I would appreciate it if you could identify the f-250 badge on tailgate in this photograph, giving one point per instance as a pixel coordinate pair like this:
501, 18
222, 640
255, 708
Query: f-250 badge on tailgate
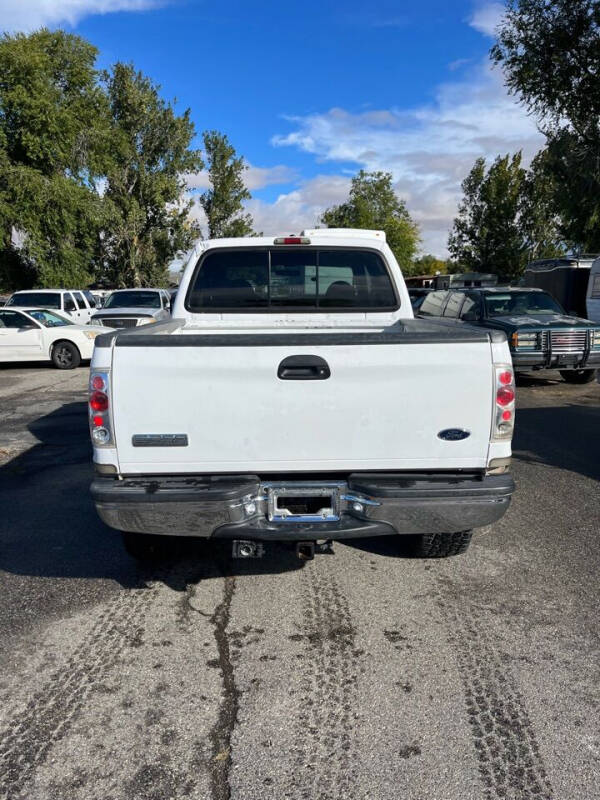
453, 434
159, 440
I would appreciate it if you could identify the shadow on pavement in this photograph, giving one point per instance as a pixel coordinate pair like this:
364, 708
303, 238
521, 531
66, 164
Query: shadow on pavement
541, 378
49, 527
388, 546
6, 366
567, 437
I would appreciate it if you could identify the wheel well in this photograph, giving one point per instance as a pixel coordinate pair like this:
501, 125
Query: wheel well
63, 341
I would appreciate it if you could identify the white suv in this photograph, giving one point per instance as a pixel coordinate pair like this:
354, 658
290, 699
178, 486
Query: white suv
76, 304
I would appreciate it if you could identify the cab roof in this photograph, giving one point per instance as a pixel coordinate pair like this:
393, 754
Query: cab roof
319, 237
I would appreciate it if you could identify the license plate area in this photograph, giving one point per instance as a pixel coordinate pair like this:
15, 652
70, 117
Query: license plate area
570, 358
303, 503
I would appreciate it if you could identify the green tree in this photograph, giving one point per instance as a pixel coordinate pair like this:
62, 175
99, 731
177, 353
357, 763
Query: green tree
549, 52
428, 265
223, 202
147, 213
539, 216
572, 167
53, 125
373, 204
486, 235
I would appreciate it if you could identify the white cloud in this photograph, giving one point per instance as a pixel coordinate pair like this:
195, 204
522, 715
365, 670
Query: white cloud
460, 62
254, 177
486, 18
197, 180
292, 211
428, 149
27, 15
197, 214
259, 177
301, 208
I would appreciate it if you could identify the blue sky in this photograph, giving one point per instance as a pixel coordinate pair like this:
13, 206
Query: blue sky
311, 92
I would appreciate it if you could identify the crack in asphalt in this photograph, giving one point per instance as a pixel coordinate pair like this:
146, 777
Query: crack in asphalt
222, 731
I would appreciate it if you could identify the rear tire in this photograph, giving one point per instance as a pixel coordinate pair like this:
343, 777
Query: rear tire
145, 547
578, 375
440, 545
65, 355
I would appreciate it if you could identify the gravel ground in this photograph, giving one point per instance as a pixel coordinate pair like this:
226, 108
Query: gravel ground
362, 674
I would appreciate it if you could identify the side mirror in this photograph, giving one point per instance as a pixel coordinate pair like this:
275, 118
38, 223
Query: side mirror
27, 326
470, 316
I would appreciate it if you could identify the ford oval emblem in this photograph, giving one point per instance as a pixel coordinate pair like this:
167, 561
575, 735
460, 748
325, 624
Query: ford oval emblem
454, 434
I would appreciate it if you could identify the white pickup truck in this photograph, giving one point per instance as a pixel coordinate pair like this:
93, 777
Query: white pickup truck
293, 396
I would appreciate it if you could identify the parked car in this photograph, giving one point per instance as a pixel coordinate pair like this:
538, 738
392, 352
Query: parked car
128, 308
541, 335
40, 334
417, 295
75, 304
295, 397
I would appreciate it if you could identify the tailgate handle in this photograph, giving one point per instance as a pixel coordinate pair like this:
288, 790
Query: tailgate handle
303, 368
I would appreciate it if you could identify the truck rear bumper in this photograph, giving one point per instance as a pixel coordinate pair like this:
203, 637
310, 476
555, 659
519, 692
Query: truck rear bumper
236, 507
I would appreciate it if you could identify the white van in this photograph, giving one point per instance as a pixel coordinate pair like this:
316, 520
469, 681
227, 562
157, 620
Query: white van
76, 304
592, 300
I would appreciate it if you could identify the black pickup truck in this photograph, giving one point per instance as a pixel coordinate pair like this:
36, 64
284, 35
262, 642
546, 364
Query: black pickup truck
540, 334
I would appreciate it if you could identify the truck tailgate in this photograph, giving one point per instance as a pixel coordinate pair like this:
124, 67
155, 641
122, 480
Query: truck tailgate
382, 407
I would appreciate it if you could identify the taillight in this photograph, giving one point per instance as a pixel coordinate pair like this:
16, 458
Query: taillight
505, 396
99, 409
504, 407
99, 401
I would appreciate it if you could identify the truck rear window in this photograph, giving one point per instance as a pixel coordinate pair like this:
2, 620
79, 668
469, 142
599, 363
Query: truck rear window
303, 279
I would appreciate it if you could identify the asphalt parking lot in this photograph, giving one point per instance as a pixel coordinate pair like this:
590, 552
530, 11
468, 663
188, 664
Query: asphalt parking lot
362, 674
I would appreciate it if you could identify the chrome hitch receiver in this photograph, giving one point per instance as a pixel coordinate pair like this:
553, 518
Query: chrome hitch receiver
304, 502
305, 550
